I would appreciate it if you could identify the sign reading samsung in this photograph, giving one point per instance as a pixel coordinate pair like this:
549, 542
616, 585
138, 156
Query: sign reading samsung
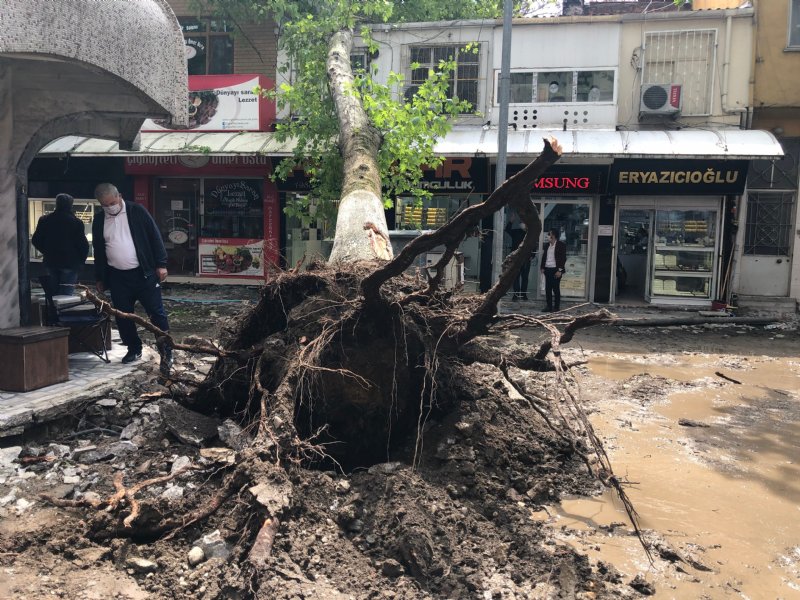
567, 180
678, 177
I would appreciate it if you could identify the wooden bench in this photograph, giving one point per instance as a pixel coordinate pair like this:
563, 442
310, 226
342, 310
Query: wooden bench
33, 357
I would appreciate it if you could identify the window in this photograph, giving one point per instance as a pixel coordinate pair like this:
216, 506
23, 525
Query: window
359, 60
233, 208
794, 24
769, 223
528, 87
686, 58
209, 46
463, 82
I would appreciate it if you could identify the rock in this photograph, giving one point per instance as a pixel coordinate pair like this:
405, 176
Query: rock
642, 586
132, 429
10, 497
391, 568
32, 451
224, 456
94, 456
385, 468
106, 403
356, 526
141, 565
8, 456
188, 426
92, 496
342, 487
172, 493
21, 505
213, 545
232, 435
122, 448
77, 452
196, 556
58, 450
272, 495
692, 423
180, 463
72, 479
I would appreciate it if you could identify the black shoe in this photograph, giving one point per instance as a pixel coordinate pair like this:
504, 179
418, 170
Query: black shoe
132, 356
547, 309
166, 362
514, 297
525, 297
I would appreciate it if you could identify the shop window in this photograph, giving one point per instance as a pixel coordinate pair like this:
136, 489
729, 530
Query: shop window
233, 208
83, 209
463, 82
528, 87
431, 213
572, 222
209, 46
769, 223
683, 255
686, 58
794, 25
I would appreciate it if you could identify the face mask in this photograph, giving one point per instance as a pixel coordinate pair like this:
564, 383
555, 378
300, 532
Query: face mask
113, 210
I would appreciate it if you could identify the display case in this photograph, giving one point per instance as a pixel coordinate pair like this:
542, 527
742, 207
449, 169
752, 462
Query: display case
683, 254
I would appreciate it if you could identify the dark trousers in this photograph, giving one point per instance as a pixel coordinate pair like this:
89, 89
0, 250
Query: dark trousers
126, 288
521, 280
552, 288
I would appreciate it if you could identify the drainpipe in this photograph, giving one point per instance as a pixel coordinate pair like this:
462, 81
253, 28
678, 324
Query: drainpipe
726, 68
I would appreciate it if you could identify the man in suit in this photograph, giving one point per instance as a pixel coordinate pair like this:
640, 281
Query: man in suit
554, 261
131, 261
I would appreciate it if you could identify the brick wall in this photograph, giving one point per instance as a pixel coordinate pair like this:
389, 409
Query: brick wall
255, 46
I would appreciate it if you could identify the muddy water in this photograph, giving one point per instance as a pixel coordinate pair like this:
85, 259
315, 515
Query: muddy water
726, 497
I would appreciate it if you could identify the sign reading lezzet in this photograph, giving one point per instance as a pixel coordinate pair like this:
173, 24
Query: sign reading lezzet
224, 103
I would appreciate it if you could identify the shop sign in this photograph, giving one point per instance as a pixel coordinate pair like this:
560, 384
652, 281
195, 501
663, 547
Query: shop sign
231, 257
198, 164
224, 103
567, 180
457, 175
678, 177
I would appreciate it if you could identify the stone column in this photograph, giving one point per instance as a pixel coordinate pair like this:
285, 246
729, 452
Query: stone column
9, 154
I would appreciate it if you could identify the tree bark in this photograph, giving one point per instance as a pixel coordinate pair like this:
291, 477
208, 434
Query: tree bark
361, 230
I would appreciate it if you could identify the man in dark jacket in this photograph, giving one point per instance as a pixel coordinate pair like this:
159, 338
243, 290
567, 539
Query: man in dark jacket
130, 260
60, 238
554, 261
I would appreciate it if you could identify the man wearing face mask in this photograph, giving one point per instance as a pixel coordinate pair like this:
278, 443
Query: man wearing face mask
130, 260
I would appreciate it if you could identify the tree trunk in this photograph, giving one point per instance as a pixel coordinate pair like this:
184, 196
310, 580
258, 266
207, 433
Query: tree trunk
361, 231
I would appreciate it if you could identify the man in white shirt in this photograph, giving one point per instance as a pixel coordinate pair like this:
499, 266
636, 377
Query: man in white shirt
130, 261
554, 262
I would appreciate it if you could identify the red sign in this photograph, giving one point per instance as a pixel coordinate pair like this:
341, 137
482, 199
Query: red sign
225, 103
198, 164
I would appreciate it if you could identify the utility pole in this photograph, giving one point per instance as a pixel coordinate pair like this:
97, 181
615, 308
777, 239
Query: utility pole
502, 139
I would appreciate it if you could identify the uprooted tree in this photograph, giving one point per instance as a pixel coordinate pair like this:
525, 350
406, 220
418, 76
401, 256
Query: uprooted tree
337, 363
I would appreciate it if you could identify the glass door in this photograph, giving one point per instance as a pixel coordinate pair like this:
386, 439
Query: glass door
632, 273
572, 219
176, 207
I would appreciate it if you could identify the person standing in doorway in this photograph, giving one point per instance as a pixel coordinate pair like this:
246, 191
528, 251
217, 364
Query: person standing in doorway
516, 230
131, 261
554, 261
60, 238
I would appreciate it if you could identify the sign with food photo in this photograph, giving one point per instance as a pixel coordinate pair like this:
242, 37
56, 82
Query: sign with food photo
223, 103
231, 257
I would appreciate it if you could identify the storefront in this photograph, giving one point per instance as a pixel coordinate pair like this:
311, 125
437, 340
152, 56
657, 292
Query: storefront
670, 228
218, 215
567, 198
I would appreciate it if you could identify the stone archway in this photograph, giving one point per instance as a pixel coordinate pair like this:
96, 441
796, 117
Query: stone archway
82, 67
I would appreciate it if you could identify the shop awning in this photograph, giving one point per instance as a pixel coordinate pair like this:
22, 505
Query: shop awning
175, 142
463, 141
718, 143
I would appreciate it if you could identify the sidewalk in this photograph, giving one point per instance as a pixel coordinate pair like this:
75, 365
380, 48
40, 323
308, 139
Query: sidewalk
89, 377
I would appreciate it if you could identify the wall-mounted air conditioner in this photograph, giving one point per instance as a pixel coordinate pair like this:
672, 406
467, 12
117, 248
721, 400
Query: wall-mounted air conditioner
660, 99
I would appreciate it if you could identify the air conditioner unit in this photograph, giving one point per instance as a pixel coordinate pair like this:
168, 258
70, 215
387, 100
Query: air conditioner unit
660, 99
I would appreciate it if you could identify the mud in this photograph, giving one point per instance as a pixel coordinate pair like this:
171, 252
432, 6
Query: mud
719, 496
485, 503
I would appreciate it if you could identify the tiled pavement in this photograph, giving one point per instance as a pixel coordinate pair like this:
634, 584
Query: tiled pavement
88, 377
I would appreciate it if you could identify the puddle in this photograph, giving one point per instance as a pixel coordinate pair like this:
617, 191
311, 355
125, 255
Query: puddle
726, 496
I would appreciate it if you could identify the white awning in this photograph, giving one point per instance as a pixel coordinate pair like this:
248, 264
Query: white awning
712, 143
463, 141
175, 142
